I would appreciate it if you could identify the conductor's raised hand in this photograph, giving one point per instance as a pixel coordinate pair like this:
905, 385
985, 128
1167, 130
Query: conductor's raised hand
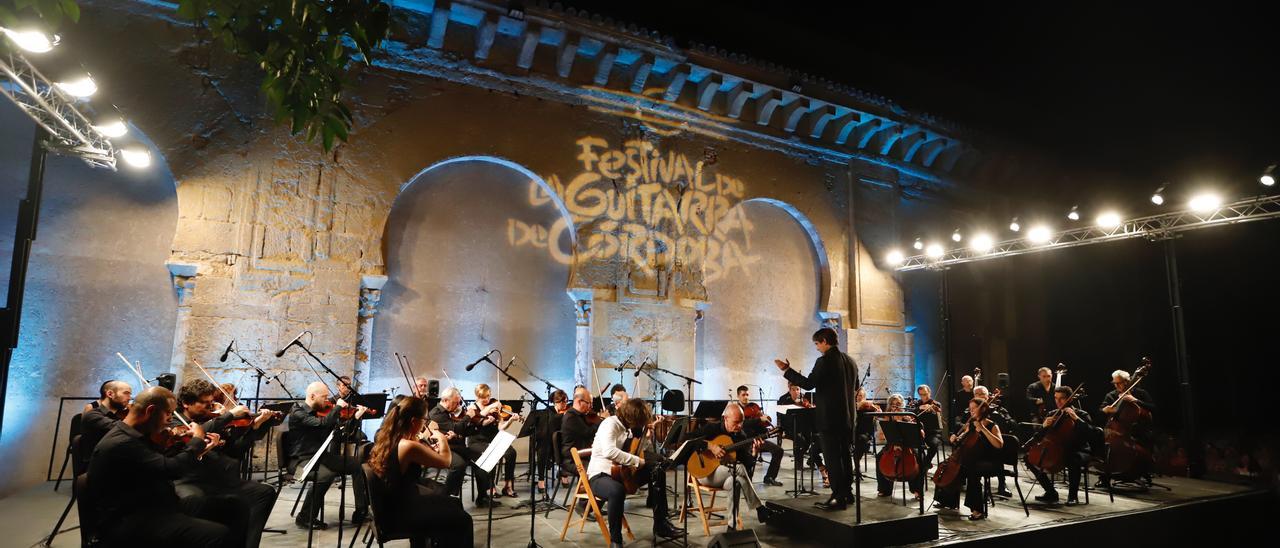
783, 365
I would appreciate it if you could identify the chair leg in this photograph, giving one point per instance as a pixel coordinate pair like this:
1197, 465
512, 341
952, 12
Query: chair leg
1017, 484
62, 470
302, 491
568, 518
702, 508
48, 541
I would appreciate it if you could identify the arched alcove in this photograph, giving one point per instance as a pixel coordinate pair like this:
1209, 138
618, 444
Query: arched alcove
476, 259
765, 304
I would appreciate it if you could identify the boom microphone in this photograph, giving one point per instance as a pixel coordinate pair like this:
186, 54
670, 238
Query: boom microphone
291, 343
484, 358
223, 358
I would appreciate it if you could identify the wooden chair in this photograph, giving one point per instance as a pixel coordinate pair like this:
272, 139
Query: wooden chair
583, 492
705, 510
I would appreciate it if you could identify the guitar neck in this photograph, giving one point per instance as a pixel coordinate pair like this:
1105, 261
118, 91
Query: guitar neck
738, 444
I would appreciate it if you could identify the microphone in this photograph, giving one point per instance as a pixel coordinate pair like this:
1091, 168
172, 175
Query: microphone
641, 368
623, 365
291, 343
227, 351
484, 358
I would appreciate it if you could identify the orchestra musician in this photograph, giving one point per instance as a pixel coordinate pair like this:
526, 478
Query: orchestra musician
397, 459
547, 422
487, 407
420, 385
1076, 455
456, 423
755, 426
614, 433
929, 414
884, 486
809, 445
1111, 402
130, 482
987, 443
111, 407
311, 422
1040, 394
835, 379
1001, 417
731, 424
962, 398
215, 480
866, 428
577, 427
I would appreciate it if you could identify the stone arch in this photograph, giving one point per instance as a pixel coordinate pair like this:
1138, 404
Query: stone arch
815, 241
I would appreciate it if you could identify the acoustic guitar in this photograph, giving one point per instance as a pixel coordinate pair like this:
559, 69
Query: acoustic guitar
703, 463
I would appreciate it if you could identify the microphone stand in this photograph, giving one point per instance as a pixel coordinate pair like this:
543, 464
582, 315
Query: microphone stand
257, 398
533, 485
688, 421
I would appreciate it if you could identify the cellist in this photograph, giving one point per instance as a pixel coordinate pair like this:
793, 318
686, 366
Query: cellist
1113, 403
884, 486
984, 448
1075, 456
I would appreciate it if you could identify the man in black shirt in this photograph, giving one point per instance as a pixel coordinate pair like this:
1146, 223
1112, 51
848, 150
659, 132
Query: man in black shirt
807, 445
130, 482
756, 426
576, 431
216, 480
929, 414
1112, 403
1075, 453
310, 430
835, 379
960, 408
457, 429
723, 477
99, 418
1040, 394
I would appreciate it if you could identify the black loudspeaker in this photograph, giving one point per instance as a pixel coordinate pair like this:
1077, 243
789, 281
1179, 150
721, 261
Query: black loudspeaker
1002, 381
673, 401
433, 389
167, 380
735, 539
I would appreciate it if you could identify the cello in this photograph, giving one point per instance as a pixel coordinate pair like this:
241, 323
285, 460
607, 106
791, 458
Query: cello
1047, 449
1126, 456
897, 462
949, 471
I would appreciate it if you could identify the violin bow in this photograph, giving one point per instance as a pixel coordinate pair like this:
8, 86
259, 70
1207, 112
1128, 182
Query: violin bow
230, 399
138, 372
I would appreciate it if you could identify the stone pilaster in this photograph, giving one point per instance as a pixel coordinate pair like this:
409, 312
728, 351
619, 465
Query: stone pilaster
582, 362
370, 295
184, 282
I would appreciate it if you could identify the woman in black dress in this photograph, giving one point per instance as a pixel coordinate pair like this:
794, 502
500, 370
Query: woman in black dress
399, 454
984, 451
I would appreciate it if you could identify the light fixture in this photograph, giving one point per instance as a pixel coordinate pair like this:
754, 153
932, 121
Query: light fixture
112, 127
1205, 202
1157, 197
80, 87
1038, 234
934, 251
1074, 215
918, 244
895, 257
1268, 177
33, 41
981, 243
956, 237
136, 156
1109, 220
1014, 226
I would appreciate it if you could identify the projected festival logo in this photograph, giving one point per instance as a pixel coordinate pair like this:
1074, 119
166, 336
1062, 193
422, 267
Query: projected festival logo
639, 204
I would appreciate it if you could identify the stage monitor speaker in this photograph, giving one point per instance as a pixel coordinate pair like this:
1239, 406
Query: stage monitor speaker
745, 538
167, 380
433, 388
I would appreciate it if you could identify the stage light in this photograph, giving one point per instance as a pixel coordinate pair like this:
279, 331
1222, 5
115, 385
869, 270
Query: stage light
981, 243
934, 251
895, 257
1205, 203
1038, 234
1157, 197
1014, 226
136, 156
1268, 177
113, 127
918, 244
1109, 220
1074, 215
956, 237
33, 41
80, 87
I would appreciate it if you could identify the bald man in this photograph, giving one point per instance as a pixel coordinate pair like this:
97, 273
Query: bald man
724, 476
112, 406
309, 430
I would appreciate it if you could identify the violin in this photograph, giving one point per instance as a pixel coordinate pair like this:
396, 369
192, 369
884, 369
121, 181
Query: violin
171, 437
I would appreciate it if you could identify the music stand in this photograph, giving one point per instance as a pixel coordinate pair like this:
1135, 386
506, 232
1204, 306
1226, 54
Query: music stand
709, 409
799, 422
376, 401
907, 435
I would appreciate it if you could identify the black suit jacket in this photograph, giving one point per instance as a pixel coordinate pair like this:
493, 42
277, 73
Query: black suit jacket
834, 379
310, 429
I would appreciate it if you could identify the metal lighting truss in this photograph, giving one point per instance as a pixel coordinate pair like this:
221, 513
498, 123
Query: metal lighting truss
69, 131
1154, 227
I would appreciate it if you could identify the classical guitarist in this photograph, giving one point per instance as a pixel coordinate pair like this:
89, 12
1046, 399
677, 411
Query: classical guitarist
728, 432
606, 451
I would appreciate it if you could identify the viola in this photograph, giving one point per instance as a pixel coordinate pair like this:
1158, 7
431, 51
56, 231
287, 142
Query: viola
752, 410
1048, 448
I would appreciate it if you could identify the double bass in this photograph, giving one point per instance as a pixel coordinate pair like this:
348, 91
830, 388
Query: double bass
1126, 456
1048, 448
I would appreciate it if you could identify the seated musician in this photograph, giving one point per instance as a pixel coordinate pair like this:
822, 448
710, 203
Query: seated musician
97, 420
578, 427
420, 386
130, 481
480, 438
987, 443
1003, 419
884, 486
613, 434
731, 424
1112, 403
963, 395
311, 421
1075, 453
398, 457
547, 423
865, 429
1040, 394
756, 426
806, 443
456, 424
215, 481
929, 413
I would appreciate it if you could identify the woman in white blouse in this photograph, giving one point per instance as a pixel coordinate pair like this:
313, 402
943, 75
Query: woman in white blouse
606, 451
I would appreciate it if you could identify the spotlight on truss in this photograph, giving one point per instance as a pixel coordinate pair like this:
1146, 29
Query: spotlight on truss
1205, 202
895, 258
981, 243
32, 41
1157, 197
1268, 177
934, 251
1039, 234
918, 245
1014, 226
1074, 215
1109, 220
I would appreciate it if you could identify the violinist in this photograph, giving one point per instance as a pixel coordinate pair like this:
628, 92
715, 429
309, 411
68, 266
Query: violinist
987, 442
112, 406
884, 486
578, 427
808, 443
130, 481
732, 424
420, 385
929, 414
1040, 394
397, 460
456, 423
488, 408
215, 481
546, 423
754, 427
1075, 453
311, 422
866, 428
614, 432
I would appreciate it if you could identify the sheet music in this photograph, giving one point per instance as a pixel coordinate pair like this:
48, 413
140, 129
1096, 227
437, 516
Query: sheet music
306, 471
498, 447
786, 408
